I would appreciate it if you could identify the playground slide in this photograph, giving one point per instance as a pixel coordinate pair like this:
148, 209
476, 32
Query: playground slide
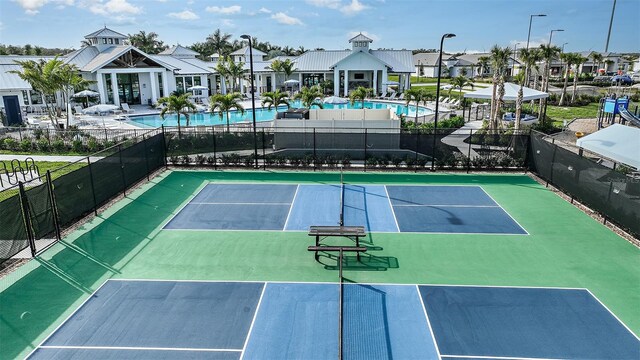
632, 119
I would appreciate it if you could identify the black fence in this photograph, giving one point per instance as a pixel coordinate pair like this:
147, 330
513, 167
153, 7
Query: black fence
34, 213
365, 148
613, 191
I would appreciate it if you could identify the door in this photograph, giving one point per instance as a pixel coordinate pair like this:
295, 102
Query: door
12, 109
129, 88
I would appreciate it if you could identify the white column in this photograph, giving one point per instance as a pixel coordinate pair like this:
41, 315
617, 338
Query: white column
407, 81
273, 82
114, 87
154, 88
336, 82
385, 78
375, 82
101, 89
165, 84
346, 83
300, 81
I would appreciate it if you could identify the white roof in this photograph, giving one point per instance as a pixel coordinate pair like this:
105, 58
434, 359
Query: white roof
112, 53
105, 32
245, 51
184, 66
617, 142
360, 37
179, 50
82, 56
324, 60
11, 81
510, 93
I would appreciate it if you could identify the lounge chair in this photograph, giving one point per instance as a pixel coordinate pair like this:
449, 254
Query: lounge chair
384, 95
441, 98
401, 97
78, 110
126, 108
393, 96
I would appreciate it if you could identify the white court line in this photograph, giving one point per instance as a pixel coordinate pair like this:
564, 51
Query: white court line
393, 212
138, 348
291, 207
505, 211
495, 357
424, 309
614, 315
237, 203
456, 206
187, 202
255, 315
67, 319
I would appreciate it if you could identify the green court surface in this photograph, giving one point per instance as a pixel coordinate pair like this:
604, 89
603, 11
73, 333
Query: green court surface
565, 248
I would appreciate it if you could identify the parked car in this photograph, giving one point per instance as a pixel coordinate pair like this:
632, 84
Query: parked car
635, 77
602, 79
622, 80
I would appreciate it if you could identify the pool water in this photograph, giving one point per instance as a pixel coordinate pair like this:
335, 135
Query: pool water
262, 114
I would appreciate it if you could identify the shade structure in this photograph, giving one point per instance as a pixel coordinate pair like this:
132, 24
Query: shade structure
99, 109
617, 142
335, 100
85, 93
510, 93
291, 82
197, 87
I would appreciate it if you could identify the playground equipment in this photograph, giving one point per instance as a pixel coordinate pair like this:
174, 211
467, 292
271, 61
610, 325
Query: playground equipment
16, 172
611, 108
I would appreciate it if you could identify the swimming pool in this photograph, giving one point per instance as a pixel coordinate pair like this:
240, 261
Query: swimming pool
208, 119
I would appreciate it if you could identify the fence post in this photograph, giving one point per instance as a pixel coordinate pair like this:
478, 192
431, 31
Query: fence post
264, 156
469, 151
93, 188
315, 158
54, 208
553, 160
164, 149
415, 165
24, 204
215, 157
365, 149
433, 151
146, 157
124, 180
20, 134
48, 136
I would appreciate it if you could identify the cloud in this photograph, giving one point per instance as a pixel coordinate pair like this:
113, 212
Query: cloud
533, 43
113, 7
184, 15
234, 9
285, 19
353, 8
264, 10
371, 36
31, 7
331, 4
228, 23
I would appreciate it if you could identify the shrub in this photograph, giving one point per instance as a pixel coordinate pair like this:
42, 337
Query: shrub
174, 160
10, 144
396, 161
249, 161
77, 146
295, 161
26, 145
421, 162
346, 161
371, 162
211, 160
93, 145
200, 159
226, 159
58, 145
43, 145
281, 160
186, 160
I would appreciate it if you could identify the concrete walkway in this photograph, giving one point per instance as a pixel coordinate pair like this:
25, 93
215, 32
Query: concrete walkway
56, 158
457, 138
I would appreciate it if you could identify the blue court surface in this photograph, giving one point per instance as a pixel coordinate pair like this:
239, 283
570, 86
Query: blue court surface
379, 208
139, 319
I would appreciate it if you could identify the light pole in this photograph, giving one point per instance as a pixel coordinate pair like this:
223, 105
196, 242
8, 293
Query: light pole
613, 11
435, 119
253, 99
530, 21
551, 34
562, 62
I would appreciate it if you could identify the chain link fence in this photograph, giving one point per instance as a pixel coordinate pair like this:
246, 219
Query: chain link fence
35, 212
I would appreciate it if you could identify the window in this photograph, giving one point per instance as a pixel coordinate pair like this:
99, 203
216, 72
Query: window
179, 83
358, 76
160, 85
36, 98
188, 82
104, 40
117, 41
25, 97
111, 41
356, 44
197, 81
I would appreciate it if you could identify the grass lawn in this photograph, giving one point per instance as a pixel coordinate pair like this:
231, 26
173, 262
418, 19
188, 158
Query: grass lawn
43, 166
422, 80
560, 113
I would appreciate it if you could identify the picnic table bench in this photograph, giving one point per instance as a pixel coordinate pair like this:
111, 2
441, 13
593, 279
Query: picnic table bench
323, 232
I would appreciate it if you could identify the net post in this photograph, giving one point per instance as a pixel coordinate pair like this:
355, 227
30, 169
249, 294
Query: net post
164, 149
93, 187
54, 208
415, 165
315, 158
124, 181
469, 151
553, 160
146, 156
264, 156
340, 319
365, 149
24, 205
215, 156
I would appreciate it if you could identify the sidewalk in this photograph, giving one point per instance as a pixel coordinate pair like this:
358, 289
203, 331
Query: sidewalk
56, 158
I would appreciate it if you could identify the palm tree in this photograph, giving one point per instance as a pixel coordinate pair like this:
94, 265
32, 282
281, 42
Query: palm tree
179, 105
578, 61
597, 59
549, 52
483, 64
276, 67
309, 96
361, 93
43, 77
69, 80
460, 82
237, 73
219, 42
569, 59
226, 103
416, 95
148, 43
285, 67
223, 70
530, 58
275, 98
499, 61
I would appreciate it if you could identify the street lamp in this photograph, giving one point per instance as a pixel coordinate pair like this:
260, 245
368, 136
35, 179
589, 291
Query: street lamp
253, 99
551, 34
531, 20
435, 119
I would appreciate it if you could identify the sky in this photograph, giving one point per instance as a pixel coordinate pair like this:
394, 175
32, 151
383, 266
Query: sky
397, 24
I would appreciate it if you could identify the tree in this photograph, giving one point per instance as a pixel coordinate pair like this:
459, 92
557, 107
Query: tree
549, 52
179, 105
569, 59
309, 96
225, 103
597, 59
275, 98
416, 95
223, 70
148, 43
529, 57
202, 48
69, 80
286, 67
483, 64
44, 78
499, 62
326, 84
459, 82
361, 93
219, 42
578, 61
237, 73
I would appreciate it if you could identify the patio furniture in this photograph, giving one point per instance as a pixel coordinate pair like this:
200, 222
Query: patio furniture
126, 108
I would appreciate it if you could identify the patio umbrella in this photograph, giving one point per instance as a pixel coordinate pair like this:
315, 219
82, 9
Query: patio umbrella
335, 100
291, 82
86, 93
99, 109
390, 83
197, 87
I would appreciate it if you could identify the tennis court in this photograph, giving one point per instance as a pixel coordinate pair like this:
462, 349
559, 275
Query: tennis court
379, 208
216, 265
